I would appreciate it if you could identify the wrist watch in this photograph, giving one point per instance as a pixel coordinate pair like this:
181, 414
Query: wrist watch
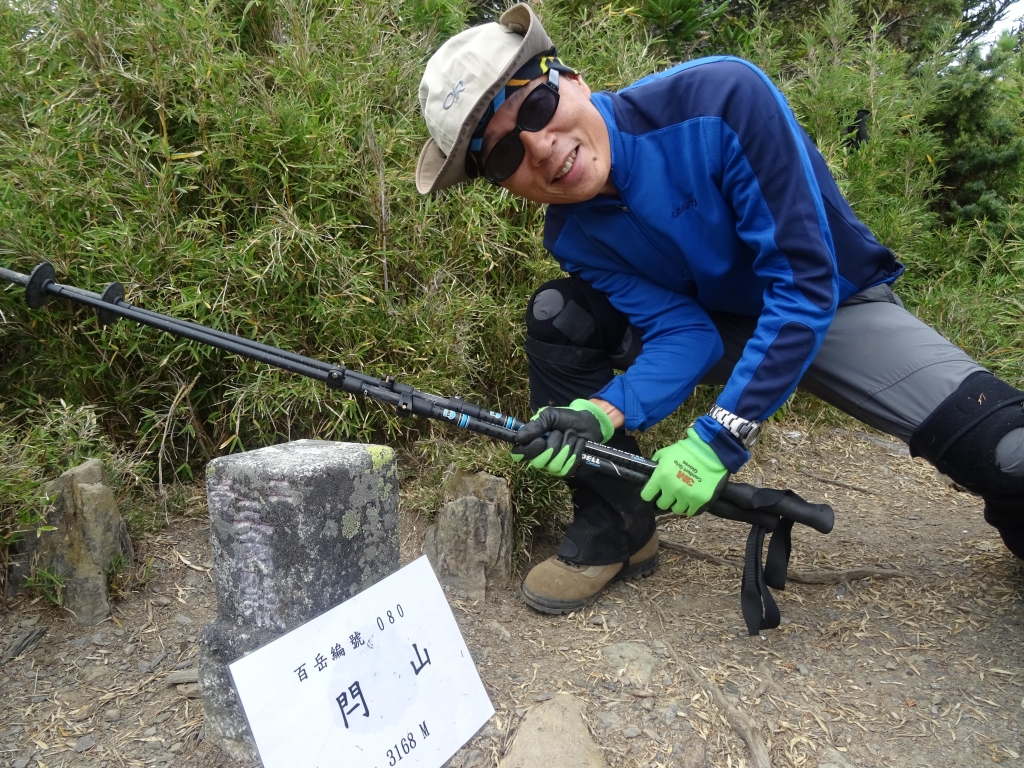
743, 430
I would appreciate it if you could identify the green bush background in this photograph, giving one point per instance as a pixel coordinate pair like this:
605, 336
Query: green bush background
248, 165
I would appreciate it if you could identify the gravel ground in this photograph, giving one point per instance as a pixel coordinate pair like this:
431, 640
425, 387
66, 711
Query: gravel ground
917, 670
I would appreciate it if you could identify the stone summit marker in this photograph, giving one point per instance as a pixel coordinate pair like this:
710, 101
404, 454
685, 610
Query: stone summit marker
295, 530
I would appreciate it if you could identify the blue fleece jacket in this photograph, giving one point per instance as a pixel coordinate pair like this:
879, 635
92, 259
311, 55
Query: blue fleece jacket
724, 205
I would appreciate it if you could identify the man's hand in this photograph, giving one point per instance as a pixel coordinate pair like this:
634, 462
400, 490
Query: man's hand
689, 477
567, 430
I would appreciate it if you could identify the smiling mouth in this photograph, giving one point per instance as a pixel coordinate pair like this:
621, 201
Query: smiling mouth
568, 164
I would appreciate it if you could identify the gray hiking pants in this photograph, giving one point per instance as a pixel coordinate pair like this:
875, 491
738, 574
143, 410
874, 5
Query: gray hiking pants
878, 363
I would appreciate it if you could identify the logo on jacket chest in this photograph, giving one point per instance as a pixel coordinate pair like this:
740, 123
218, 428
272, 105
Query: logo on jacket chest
687, 205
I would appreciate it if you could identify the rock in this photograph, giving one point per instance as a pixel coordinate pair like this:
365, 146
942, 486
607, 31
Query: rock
631, 732
88, 534
190, 690
632, 660
83, 713
22, 643
183, 676
610, 720
503, 633
690, 753
21, 762
85, 743
181, 618
143, 667
295, 530
112, 715
554, 735
29, 622
470, 544
94, 673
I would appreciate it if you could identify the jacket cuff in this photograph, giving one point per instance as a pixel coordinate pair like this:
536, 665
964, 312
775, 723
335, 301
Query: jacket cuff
621, 395
725, 445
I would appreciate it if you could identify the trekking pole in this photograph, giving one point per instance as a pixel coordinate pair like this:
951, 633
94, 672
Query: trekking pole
765, 509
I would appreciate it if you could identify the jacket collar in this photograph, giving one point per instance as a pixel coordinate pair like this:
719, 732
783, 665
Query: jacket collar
622, 150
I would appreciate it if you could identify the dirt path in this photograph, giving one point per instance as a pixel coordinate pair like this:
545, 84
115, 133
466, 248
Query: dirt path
915, 671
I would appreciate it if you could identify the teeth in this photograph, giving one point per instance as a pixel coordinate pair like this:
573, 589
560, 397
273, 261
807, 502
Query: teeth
567, 166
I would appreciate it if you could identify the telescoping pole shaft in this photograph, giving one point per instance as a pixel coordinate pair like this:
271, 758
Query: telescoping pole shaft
41, 285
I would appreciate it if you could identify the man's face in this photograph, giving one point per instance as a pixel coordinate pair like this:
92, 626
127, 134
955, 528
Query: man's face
569, 160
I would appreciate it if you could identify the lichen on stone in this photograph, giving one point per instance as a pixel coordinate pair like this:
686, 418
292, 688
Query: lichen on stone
350, 524
380, 455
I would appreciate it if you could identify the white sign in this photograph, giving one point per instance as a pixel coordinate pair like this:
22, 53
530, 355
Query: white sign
382, 679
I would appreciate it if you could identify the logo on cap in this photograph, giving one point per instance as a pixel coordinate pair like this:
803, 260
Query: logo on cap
453, 95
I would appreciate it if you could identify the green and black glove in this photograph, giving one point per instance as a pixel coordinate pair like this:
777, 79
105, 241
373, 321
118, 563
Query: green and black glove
567, 431
689, 476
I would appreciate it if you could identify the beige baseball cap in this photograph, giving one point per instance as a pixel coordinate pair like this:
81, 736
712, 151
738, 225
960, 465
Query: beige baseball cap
460, 82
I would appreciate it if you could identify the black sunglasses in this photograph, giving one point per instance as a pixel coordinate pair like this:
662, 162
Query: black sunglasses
535, 112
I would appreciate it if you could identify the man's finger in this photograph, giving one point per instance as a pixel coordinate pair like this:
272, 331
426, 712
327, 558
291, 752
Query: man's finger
531, 431
533, 449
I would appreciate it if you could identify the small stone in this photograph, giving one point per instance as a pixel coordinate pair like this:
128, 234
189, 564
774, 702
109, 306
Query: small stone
31, 621
503, 633
96, 672
99, 639
143, 667
182, 676
610, 720
112, 715
190, 690
162, 717
85, 743
162, 600
83, 713
149, 732
554, 734
668, 714
631, 732
633, 659
543, 696
177, 747
647, 704
890, 666
181, 618
666, 681
183, 664
802, 669
21, 762
129, 649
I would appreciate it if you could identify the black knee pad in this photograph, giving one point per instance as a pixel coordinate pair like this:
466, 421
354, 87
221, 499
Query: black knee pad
571, 313
961, 436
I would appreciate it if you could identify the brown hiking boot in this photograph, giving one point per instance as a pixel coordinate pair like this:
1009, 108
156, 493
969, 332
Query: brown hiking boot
557, 586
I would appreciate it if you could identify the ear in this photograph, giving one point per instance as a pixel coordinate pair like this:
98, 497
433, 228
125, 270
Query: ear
577, 79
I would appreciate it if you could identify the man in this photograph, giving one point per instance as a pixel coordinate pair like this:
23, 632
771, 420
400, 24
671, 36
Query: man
705, 241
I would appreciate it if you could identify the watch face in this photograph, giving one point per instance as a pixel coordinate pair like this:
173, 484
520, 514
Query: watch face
751, 434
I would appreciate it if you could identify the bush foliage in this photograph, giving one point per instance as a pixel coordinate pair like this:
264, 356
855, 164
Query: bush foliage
248, 165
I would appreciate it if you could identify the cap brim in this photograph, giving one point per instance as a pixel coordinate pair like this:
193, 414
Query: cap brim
434, 170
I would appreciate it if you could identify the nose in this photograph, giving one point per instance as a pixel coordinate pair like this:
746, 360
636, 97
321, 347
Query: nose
538, 145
